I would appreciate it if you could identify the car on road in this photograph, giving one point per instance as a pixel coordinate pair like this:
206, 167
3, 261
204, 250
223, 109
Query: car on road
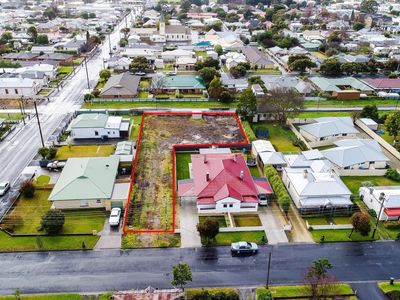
4, 187
244, 247
115, 216
140, 73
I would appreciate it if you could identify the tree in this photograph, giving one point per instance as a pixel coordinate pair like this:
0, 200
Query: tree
282, 103
361, 223
225, 96
43, 152
139, 63
301, 65
350, 68
331, 67
42, 39
208, 229
370, 111
88, 97
157, 84
125, 31
392, 125
369, 6
217, 26
27, 189
32, 32
6, 36
53, 221
123, 42
181, 274
247, 106
215, 87
105, 74
317, 277
218, 49
209, 62
208, 74
185, 5
50, 12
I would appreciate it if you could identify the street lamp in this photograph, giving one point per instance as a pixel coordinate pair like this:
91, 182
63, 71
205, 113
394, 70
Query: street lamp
382, 199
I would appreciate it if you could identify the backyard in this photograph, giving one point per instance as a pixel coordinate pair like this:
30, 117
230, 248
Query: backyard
280, 137
182, 165
152, 191
69, 151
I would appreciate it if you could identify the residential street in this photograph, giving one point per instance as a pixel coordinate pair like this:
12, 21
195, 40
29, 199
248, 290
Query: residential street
110, 270
20, 147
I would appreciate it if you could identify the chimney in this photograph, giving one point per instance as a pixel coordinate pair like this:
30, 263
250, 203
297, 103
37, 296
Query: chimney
331, 173
305, 173
241, 175
208, 176
234, 157
205, 158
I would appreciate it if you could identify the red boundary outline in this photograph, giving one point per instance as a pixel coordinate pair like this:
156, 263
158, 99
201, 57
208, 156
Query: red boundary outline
174, 146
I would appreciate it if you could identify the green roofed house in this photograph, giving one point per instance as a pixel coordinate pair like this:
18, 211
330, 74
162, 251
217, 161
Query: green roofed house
89, 183
186, 84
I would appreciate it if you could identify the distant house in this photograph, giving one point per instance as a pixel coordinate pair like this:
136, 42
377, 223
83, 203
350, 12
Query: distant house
173, 55
89, 182
257, 58
185, 63
390, 195
329, 128
287, 82
121, 86
186, 84
60, 57
232, 59
18, 87
234, 84
118, 63
346, 88
257, 90
357, 154
96, 126
223, 183
24, 56
384, 84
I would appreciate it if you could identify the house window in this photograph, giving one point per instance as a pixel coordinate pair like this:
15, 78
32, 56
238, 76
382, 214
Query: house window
7, 91
108, 132
98, 201
225, 205
16, 92
230, 205
344, 134
96, 133
84, 203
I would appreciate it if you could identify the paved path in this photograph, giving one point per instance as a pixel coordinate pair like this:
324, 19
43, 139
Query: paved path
188, 222
273, 228
110, 270
368, 291
110, 238
299, 233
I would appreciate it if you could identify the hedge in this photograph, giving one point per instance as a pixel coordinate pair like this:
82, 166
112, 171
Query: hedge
281, 193
249, 132
393, 174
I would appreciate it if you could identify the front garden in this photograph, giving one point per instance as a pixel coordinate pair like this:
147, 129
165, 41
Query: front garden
69, 151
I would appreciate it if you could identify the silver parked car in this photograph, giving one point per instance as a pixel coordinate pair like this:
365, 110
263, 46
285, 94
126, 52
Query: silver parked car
244, 247
4, 187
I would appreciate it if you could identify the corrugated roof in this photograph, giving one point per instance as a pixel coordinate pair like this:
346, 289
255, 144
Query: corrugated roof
89, 121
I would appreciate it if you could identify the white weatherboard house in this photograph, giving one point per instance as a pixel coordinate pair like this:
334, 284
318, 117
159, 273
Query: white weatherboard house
357, 154
316, 187
96, 126
329, 128
390, 195
89, 183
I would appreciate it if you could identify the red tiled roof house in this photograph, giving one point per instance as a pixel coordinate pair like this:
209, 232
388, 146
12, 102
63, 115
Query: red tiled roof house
222, 183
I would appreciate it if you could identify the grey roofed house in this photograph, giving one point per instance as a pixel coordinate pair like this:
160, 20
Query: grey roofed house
288, 82
272, 158
121, 85
21, 56
26, 74
338, 84
256, 57
232, 83
177, 29
356, 58
55, 56
330, 126
354, 152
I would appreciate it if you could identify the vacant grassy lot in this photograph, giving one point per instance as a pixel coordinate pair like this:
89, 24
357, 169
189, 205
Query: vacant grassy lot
247, 220
226, 238
182, 165
143, 240
280, 137
76, 221
66, 152
221, 220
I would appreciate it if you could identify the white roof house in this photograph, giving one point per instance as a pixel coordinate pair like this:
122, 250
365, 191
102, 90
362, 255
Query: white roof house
356, 154
390, 195
260, 146
371, 124
272, 158
328, 128
233, 59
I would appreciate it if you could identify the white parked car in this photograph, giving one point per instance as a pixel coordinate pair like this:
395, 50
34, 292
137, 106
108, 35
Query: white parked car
115, 216
56, 165
244, 247
4, 187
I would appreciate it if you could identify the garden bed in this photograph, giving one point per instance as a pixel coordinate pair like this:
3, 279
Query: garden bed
220, 219
246, 220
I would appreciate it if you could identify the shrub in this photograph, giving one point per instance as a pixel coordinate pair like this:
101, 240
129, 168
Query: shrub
53, 221
52, 153
96, 93
263, 294
393, 295
162, 97
249, 131
269, 171
393, 174
27, 189
372, 212
43, 152
208, 230
392, 224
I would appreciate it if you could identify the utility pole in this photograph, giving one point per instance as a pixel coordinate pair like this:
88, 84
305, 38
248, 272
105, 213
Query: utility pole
269, 267
382, 198
40, 128
87, 74
22, 112
109, 42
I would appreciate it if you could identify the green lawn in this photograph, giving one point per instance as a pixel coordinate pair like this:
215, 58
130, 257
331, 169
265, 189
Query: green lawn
201, 53
143, 95
386, 287
76, 221
247, 220
136, 126
301, 290
386, 136
172, 104
221, 220
45, 243
44, 92
42, 180
190, 293
340, 235
66, 152
226, 238
317, 114
65, 70
10, 116
100, 83
354, 182
144, 240
254, 171
280, 137
327, 220
350, 103
182, 165
59, 297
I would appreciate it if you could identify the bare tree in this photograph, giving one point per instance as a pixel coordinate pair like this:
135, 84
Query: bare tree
157, 84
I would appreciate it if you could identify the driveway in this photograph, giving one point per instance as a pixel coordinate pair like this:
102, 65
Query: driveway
299, 233
367, 291
188, 221
272, 225
110, 237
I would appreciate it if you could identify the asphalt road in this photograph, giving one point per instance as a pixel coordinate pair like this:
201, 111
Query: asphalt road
110, 270
21, 146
